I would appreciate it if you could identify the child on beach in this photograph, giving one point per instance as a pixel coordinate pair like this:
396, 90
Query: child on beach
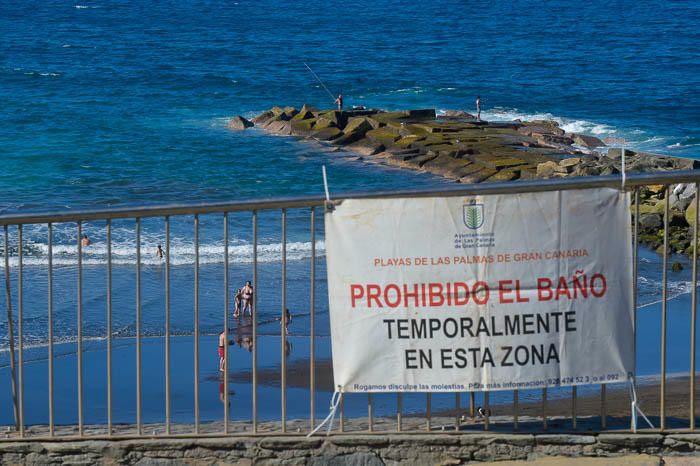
237, 303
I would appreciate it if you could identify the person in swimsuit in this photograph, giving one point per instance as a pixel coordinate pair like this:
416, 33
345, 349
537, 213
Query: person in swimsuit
85, 241
339, 101
222, 352
159, 252
237, 303
247, 298
287, 320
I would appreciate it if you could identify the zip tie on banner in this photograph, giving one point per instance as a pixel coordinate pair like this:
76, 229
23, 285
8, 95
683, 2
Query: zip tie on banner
622, 156
335, 402
329, 204
635, 407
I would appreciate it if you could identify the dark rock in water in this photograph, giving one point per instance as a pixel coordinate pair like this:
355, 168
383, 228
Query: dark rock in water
305, 113
336, 118
327, 134
386, 135
587, 141
263, 117
354, 130
650, 221
458, 114
367, 147
616, 153
280, 127
422, 113
677, 267
302, 127
239, 122
677, 220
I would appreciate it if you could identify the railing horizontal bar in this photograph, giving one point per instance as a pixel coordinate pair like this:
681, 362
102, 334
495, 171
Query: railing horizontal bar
583, 182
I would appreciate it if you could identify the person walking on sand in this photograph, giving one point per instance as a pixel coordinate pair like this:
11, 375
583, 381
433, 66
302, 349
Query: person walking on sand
339, 101
85, 241
159, 252
237, 303
478, 107
247, 298
222, 351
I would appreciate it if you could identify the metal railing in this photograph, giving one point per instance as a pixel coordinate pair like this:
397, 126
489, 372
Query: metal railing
312, 205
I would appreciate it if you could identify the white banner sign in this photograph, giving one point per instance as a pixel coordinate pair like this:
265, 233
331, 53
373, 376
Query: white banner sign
495, 292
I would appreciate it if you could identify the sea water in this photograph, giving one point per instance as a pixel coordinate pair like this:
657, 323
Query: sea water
116, 103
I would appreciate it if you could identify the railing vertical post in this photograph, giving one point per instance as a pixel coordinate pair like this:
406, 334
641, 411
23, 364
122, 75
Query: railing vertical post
226, 305
109, 327
603, 407
196, 324
167, 325
139, 424
664, 279
398, 411
694, 303
10, 326
573, 407
635, 259
516, 408
20, 326
472, 402
342, 414
255, 321
50, 325
283, 384
487, 411
544, 408
457, 410
79, 354
370, 427
312, 325
428, 409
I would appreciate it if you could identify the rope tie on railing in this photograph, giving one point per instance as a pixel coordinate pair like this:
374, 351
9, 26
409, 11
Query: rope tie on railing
335, 402
635, 406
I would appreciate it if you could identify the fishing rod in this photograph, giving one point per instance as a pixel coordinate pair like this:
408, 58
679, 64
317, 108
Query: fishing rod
319, 80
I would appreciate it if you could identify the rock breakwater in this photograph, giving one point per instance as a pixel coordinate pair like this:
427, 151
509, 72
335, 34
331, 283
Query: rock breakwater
460, 147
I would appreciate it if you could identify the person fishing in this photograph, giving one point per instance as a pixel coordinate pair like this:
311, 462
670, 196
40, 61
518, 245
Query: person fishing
339, 101
336, 100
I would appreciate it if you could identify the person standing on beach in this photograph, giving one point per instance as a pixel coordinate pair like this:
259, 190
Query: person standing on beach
159, 252
339, 101
478, 107
287, 320
247, 298
237, 303
222, 351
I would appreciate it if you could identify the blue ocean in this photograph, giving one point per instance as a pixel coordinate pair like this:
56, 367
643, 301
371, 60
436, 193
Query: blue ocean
114, 103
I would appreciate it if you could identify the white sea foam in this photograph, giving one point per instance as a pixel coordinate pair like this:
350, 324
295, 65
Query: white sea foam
650, 290
181, 253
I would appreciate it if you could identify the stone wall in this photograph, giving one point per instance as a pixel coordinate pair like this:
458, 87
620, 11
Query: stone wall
366, 450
